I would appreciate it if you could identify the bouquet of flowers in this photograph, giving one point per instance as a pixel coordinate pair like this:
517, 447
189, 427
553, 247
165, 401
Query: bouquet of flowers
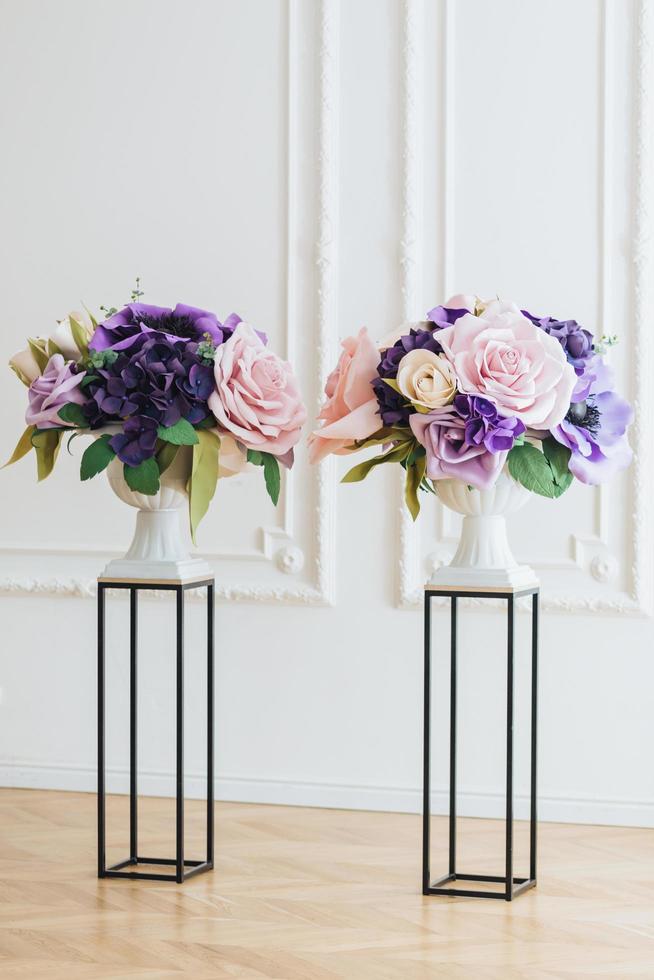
149, 380
476, 388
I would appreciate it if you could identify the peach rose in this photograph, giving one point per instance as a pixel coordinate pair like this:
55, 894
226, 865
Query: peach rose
257, 398
504, 357
351, 410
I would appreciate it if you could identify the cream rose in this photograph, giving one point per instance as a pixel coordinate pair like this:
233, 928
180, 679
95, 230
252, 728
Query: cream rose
504, 357
23, 364
426, 378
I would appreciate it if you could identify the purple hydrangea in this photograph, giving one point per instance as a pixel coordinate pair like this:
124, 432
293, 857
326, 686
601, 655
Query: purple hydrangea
575, 341
485, 426
442, 316
122, 329
138, 440
392, 405
157, 377
595, 427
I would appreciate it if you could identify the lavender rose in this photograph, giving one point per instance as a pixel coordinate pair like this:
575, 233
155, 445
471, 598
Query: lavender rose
56, 387
449, 454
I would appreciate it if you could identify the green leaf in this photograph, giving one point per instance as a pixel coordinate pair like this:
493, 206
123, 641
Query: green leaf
392, 383
385, 435
165, 455
208, 422
143, 478
38, 350
46, 443
414, 476
530, 467
255, 457
72, 413
181, 433
91, 317
89, 379
558, 457
23, 446
271, 476
204, 477
51, 348
395, 455
80, 336
96, 458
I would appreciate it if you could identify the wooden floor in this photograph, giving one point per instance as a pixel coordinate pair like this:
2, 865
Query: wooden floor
300, 894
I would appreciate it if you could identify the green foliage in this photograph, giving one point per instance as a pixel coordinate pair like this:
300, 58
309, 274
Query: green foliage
96, 457
537, 472
558, 457
204, 476
415, 472
46, 445
271, 471
165, 455
181, 433
23, 446
39, 353
102, 358
396, 454
73, 414
80, 336
143, 478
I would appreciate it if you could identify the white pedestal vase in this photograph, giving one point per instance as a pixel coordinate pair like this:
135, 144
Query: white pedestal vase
483, 558
159, 549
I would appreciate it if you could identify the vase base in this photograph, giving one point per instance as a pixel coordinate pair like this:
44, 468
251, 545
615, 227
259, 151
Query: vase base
166, 571
483, 579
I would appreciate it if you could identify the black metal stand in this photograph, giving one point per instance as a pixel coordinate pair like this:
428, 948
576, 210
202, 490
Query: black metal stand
184, 869
512, 886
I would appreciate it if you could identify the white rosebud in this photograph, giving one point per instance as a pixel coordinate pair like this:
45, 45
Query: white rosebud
62, 335
426, 378
23, 363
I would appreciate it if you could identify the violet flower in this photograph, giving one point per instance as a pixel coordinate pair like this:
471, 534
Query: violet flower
138, 440
121, 330
485, 426
574, 339
595, 427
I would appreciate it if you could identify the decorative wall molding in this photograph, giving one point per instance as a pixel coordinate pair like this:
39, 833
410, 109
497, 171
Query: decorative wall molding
590, 553
332, 795
280, 551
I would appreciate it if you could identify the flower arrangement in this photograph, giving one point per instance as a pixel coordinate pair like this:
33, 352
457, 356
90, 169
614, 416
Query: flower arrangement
477, 388
148, 380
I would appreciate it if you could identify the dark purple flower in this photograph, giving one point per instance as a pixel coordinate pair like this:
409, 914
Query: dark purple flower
485, 426
121, 330
575, 341
157, 376
138, 440
442, 316
392, 406
595, 427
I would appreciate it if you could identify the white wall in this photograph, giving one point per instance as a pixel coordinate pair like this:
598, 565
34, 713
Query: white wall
318, 166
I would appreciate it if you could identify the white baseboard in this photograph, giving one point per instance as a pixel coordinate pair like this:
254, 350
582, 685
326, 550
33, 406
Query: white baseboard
288, 792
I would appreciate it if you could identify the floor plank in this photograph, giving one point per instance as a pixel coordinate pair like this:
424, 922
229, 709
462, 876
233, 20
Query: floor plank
307, 894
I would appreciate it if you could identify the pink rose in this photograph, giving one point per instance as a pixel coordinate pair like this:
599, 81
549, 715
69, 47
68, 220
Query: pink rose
351, 409
56, 387
503, 356
257, 398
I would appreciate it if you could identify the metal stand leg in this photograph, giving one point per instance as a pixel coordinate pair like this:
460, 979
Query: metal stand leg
426, 748
101, 784
509, 750
512, 886
453, 651
210, 735
133, 725
179, 830
534, 735
183, 868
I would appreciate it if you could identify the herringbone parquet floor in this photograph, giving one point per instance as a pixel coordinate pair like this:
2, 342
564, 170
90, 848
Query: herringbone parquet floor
301, 894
